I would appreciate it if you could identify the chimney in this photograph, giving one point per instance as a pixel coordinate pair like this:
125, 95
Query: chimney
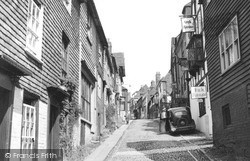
109, 46
157, 77
152, 84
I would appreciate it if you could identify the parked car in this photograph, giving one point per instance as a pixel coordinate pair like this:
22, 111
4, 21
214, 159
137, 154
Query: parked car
180, 119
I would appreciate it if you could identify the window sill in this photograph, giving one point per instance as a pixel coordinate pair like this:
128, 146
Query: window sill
229, 68
200, 116
86, 121
29, 53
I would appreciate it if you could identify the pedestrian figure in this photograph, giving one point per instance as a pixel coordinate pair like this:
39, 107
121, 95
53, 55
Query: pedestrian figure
163, 117
127, 118
167, 126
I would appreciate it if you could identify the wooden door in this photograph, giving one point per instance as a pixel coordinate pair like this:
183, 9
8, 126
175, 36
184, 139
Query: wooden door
54, 130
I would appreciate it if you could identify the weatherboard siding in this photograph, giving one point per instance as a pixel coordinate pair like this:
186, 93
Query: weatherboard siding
229, 87
87, 53
222, 83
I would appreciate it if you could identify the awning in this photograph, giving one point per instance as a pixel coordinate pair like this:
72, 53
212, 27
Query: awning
12, 67
57, 92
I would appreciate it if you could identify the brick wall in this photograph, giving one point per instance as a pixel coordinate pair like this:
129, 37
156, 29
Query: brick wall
235, 135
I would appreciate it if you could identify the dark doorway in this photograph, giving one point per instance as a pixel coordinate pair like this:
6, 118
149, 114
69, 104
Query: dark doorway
5, 116
82, 142
54, 130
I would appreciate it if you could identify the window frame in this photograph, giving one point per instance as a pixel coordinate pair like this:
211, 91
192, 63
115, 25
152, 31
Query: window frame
34, 29
85, 98
24, 135
227, 49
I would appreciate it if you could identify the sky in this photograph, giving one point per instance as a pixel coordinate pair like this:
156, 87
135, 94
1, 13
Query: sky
142, 30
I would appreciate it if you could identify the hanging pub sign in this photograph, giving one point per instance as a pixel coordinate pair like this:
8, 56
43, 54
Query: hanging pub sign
198, 92
188, 24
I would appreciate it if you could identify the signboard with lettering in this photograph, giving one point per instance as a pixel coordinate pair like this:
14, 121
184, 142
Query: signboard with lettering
188, 24
198, 92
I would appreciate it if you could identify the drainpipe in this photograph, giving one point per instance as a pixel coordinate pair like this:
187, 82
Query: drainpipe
188, 80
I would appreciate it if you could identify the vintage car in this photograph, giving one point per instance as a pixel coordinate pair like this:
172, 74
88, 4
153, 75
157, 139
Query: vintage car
180, 119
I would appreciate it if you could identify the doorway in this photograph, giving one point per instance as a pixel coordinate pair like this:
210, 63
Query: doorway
5, 116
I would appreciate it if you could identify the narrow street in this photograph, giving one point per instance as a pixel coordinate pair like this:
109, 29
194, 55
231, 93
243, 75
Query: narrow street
143, 142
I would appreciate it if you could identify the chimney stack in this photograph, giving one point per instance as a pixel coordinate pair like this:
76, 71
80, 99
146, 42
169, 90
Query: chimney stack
157, 77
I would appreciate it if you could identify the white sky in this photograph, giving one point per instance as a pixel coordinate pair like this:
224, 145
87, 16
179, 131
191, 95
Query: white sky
142, 29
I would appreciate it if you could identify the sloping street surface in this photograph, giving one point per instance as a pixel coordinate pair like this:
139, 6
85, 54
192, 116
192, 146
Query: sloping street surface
143, 142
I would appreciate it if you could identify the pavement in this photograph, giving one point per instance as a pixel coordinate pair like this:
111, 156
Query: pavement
100, 153
141, 140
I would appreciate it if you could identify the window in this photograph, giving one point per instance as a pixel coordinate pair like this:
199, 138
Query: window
67, 4
64, 54
202, 107
229, 45
226, 115
28, 135
89, 28
34, 29
85, 98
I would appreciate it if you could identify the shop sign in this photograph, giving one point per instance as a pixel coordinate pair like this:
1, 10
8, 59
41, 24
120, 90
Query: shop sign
198, 92
188, 24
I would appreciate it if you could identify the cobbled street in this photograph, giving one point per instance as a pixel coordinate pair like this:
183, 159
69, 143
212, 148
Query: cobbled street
143, 142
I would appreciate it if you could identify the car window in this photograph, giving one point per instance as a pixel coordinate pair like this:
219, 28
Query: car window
180, 113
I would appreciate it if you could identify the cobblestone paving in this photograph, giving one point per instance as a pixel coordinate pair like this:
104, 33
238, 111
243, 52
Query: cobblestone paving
143, 142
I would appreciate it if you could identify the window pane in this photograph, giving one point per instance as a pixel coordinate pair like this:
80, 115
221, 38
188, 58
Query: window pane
37, 25
34, 42
30, 6
223, 61
32, 115
34, 9
37, 13
228, 36
222, 43
230, 54
236, 50
235, 28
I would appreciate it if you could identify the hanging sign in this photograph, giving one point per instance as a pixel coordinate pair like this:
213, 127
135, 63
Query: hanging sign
187, 24
198, 92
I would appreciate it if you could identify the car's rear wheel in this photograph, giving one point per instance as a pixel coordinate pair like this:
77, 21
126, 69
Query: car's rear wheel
182, 122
